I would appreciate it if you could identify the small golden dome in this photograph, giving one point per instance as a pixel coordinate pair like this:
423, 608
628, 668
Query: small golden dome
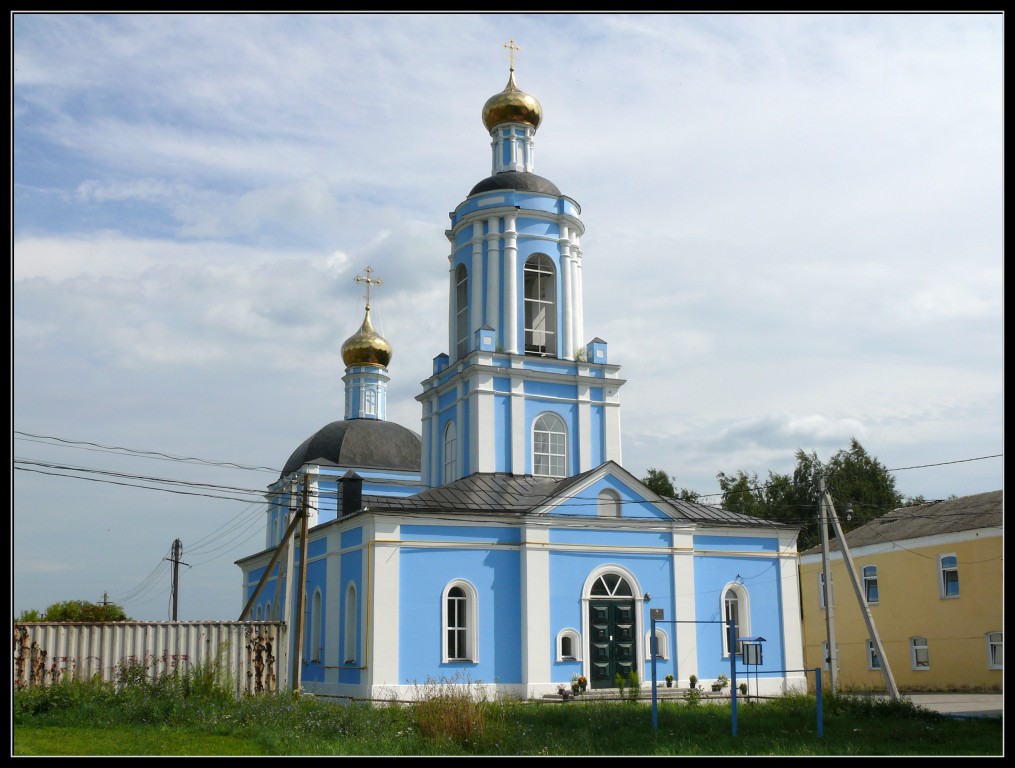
512, 106
366, 347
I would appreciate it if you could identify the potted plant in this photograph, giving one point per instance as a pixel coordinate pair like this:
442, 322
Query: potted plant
582, 683
693, 680
563, 691
743, 689
575, 685
720, 683
669, 681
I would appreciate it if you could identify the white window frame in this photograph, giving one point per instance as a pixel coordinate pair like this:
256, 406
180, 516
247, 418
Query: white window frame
461, 311
450, 452
873, 660
995, 650
942, 578
870, 582
551, 425
351, 632
471, 614
539, 313
316, 614
662, 642
742, 620
609, 503
919, 653
576, 647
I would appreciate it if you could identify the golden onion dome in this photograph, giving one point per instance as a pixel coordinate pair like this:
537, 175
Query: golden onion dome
512, 106
366, 346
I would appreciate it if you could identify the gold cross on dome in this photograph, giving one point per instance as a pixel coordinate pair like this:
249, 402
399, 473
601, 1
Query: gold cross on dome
510, 45
369, 281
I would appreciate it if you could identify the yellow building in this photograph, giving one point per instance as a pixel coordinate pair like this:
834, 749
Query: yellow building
933, 578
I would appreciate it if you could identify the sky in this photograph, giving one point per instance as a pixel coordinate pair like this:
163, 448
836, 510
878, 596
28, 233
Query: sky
793, 238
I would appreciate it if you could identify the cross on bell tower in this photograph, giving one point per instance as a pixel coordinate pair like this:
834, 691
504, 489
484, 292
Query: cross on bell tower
369, 281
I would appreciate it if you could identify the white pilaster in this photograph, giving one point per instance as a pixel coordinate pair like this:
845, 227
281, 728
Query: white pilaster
493, 274
684, 611
476, 283
510, 331
380, 592
536, 641
566, 291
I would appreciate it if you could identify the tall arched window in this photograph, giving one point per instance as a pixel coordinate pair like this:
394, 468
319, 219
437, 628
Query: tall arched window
351, 630
540, 306
315, 627
450, 452
735, 609
609, 503
459, 615
461, 312
370, 402
549, 446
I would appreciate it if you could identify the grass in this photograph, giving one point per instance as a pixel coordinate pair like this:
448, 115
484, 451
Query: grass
194, 715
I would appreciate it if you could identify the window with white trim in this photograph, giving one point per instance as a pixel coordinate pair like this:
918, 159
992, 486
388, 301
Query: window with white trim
549, 446
609, 503
540, 306
316, 615
662, 645
873, 660
821, 590
351, 630
735, 609
370, 402
459, 614
948, 570
461, 312
568, 645
919, 652
870, 584
995, 650
450, 452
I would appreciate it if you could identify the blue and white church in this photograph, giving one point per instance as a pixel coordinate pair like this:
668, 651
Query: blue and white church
505, 545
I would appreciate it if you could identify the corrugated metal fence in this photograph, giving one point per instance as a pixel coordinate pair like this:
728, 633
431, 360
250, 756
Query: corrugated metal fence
246, 653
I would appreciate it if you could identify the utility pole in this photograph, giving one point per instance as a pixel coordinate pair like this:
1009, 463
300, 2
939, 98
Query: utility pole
872, 632
175, 559
832, 657
297, 673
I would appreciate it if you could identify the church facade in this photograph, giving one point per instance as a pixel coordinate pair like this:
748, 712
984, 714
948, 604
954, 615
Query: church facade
505, 545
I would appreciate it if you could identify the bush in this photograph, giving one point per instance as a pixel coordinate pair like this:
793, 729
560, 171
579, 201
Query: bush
450, 710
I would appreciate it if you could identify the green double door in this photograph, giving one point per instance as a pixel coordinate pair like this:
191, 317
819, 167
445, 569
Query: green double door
612, 643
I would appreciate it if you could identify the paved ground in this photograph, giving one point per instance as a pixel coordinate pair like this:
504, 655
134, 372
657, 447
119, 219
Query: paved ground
960, 704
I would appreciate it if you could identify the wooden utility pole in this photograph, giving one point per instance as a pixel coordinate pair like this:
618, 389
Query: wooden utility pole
861, 599
826, 577
297, 621
175, 559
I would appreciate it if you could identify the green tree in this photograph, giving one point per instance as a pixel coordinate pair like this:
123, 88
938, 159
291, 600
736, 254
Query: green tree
860, 486
662, 483
77, 610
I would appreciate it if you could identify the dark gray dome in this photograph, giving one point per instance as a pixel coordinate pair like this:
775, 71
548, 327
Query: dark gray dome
523, 182
365, 443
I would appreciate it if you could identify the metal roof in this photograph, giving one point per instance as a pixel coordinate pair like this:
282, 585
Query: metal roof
967, 513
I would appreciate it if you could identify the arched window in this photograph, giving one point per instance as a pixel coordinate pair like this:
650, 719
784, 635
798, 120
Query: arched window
459, 614
609, 503
540, 306
370, 402
315, 627
870, 584
611, 585
259, 613
662, 645
568, 645
351, 632
735, 609
549, 446
461, 312
450, 452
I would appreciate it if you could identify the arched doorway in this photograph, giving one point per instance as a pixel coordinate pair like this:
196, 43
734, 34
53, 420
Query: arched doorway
613, 631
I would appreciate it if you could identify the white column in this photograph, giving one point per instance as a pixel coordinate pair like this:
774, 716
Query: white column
492, 276
476, 283
566, 283
576, 256
518, 432
536, 641
452, 341
464, 439
510, 331
584, 428
684, 589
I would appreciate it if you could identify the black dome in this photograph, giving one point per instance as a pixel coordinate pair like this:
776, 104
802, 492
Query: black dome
366, 443
524, 182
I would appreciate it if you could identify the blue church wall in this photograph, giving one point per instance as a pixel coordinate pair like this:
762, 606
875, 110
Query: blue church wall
544, 227
447, 399
609, 538
317, 580
768, 544
352, 537
351, 570
759, 578
632, 504
549, 366
551, 389
460, 533
501, 383
496, 577
597, 429
502, 428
